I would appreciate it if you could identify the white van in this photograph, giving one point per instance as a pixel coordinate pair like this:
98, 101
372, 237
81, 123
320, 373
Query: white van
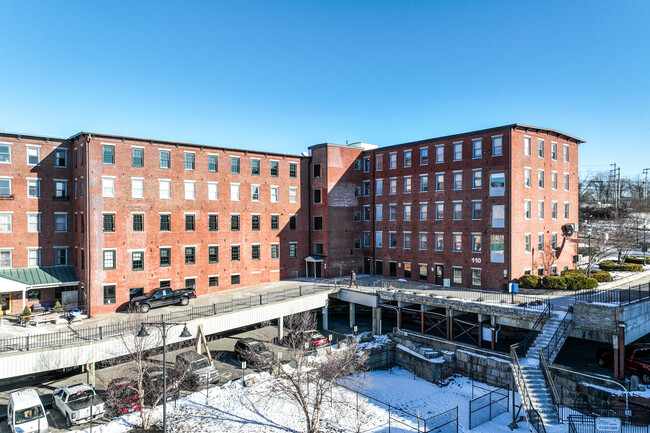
25, 412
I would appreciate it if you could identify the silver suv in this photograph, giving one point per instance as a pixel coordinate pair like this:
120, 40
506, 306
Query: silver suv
200, 371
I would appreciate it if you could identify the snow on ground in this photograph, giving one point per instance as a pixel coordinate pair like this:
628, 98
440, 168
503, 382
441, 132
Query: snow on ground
254, 409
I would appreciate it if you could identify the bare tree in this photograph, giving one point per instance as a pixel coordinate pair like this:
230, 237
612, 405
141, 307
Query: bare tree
596, 249
548, 257
623, 239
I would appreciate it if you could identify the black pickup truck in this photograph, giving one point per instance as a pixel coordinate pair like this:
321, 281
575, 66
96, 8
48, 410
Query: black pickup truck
160, 298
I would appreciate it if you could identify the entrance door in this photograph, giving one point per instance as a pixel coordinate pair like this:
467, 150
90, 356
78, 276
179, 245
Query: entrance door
392, 269
366, 265
5, 302
318, 266
439, 274
379, 267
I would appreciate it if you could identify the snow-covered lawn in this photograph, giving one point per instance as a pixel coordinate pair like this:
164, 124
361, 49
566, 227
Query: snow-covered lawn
234, 408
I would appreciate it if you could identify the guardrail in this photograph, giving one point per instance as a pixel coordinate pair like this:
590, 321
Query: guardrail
560, 333
131, 323
550, 383
488, 406
618, 296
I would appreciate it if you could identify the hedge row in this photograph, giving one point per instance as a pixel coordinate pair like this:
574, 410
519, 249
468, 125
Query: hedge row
576, 281
637, 260
611, 266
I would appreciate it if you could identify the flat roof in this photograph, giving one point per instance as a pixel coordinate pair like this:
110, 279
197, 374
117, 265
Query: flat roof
35, 136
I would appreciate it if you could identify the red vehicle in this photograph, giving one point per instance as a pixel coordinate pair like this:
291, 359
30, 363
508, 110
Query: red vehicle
121, 397
313, 338
637, 360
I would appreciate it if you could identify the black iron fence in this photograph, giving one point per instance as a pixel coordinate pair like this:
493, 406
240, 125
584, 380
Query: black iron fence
632, 414
446, 422
588, 423
488, 406
617, 296
131, 323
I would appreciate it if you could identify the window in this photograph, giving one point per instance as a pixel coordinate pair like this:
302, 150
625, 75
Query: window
60, 222
164, 160
165, 222
213, 281
213, 163
407, 212
213, 222
407, 184
540, 209
293, 250
108, 186
379, 162
366, 188
366, 239
540, 242
497, 184
527, 244
393, 185
33, 155
275, 168
527, 146
379, 214
424, 156
554, 241
407, 158
275, 222
60, 188
476, 277
108, 154
33, 222
527, 177
255, 166
392, 212
423, 241
554, 180
379, 187
108, 222
255, 222
424, 183
34, 258
5, 153
33, 188
255, 193
190, 283
440, 241
234, 222
392, 160
424, 211
318, 223
255, 251
566, 181
293, 170
137, 260
497, 248
476, 242
190, 255
137, 187
477, 178
275, 251
189, 222
82, 187
440, 181
457, 241
392, 240
5, 258
477, 148
213, 191
477, 210
540, 179
440, 207
189, 160
318, 248
109, 259
138, 222
189, 190
292, 222
440, 154
407, 240
498, 216
553, 151
458, 180
5, 187
366, 164
566, 210
366, 213
407, 270
458, 151
497, 145
235, 167
164, 189
357, 191
60, 157
109, 294
234, 192
457, 275
235, 279
357, 216
316, 168
379, 239
137, 157
165, 256
458, 210
566, 153
540, 148
554, 210
527, 209
275, 194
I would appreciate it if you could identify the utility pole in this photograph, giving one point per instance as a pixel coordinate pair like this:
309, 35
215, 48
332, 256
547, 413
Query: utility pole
645, 187
616, 174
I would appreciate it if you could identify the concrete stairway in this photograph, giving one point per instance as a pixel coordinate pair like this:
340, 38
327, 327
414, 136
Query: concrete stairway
539, 393
544, 338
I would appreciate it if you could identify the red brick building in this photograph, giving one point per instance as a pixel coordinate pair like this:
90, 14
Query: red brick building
99, 218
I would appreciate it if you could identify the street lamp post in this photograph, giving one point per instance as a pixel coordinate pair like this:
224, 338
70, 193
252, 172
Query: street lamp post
163, 327
589, 250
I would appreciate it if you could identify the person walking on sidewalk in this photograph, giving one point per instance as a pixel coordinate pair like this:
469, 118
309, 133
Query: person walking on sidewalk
353, 279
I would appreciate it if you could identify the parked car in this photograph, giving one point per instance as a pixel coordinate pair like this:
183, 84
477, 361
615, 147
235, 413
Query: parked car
122, 397
637, 360
153, 385
298, 339
25, 412
254, 352
199, 370
162, 297
77, 402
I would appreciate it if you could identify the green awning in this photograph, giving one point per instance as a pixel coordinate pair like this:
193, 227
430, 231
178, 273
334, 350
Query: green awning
51, 276
314, 258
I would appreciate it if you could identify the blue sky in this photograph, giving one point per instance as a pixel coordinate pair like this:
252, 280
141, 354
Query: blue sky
281, 76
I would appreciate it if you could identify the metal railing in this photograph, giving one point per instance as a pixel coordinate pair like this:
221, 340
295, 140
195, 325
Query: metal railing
522, 348
446, 422
550, 383
618, 296
559, 336
633, 414
488, 406
131, 323
587, 424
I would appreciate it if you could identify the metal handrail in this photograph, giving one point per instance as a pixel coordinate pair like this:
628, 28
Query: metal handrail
524, 395
549, 382
562, 330
537, 327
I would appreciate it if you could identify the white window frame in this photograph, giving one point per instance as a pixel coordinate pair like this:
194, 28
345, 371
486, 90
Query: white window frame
213, 191
106, 179
37, 250
38, 222
235, 191
259, 193
293, 194
275, 194
38, 153
38, 186
9, 145
162, 182
134, 181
